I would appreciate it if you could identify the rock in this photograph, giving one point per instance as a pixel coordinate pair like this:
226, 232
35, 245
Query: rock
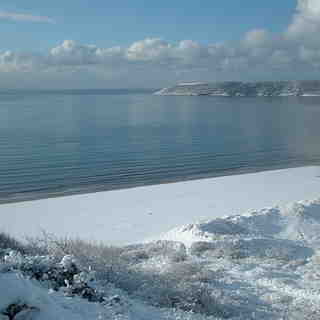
16, 311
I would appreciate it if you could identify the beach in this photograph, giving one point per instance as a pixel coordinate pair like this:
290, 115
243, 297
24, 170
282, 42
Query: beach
133, 215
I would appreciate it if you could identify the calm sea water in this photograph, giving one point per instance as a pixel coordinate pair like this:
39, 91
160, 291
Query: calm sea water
54, 143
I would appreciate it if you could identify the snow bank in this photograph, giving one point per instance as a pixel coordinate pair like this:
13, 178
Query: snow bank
271, 252
296, 221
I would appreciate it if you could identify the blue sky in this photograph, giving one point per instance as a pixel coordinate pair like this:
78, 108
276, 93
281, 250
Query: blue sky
154, 43
109, 23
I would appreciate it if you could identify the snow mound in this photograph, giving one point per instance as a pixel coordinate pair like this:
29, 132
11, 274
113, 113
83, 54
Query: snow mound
299, 222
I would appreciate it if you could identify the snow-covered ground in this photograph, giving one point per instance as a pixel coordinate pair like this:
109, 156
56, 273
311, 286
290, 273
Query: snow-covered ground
132, 215
256, 263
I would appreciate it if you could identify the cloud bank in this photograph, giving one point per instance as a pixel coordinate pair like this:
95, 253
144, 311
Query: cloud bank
258, 55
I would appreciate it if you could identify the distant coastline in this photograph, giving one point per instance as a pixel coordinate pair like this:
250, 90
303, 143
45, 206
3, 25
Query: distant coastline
100, 91
245, 89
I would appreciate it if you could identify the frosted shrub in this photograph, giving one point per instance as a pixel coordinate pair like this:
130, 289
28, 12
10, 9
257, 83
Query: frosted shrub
160, 274
54, 274
200, 247
218, 249
134, 256
182, 285
98, 257
72, 265
8, 242
13, 257
172, 250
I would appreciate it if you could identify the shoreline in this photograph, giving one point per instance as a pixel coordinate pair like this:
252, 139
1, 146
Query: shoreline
132, 215
34, 196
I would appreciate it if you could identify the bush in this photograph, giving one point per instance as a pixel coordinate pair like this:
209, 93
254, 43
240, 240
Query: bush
89, 255
54, 274
160, 272
8, 242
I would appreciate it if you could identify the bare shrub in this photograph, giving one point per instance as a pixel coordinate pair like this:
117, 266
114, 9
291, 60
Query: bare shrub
97, 256
183, 284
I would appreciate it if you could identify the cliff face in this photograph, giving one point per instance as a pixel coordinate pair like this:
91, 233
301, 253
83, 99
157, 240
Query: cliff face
245, 89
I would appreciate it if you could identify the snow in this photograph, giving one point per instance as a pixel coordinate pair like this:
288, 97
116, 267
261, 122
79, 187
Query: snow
261, 264
67, 262
132, 215
47, 305
43, 304
238, 263
298, 221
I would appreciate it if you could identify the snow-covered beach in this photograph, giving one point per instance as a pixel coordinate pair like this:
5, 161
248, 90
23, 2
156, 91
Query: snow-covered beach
133, 215
260, 262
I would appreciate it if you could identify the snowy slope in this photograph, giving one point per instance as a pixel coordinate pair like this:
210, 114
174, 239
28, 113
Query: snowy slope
237, 263
299, 221
261, 264
44, 304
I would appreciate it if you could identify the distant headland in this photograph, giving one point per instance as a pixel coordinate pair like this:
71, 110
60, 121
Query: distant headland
245, 89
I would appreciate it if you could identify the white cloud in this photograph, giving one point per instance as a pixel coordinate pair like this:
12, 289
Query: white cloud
257, 38
72, 53
306, 21
259, 55
15, 62
149, 49
309, 8
24, 17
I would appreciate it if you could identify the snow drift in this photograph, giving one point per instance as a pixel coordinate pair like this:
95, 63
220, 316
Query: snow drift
298, 221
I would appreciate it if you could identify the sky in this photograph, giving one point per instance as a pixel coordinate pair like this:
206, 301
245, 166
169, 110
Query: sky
151, 44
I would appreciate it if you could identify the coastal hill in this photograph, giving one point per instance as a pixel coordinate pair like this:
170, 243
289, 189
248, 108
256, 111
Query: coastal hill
245, 89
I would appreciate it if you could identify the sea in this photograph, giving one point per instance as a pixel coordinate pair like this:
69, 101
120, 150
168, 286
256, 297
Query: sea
61, 142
